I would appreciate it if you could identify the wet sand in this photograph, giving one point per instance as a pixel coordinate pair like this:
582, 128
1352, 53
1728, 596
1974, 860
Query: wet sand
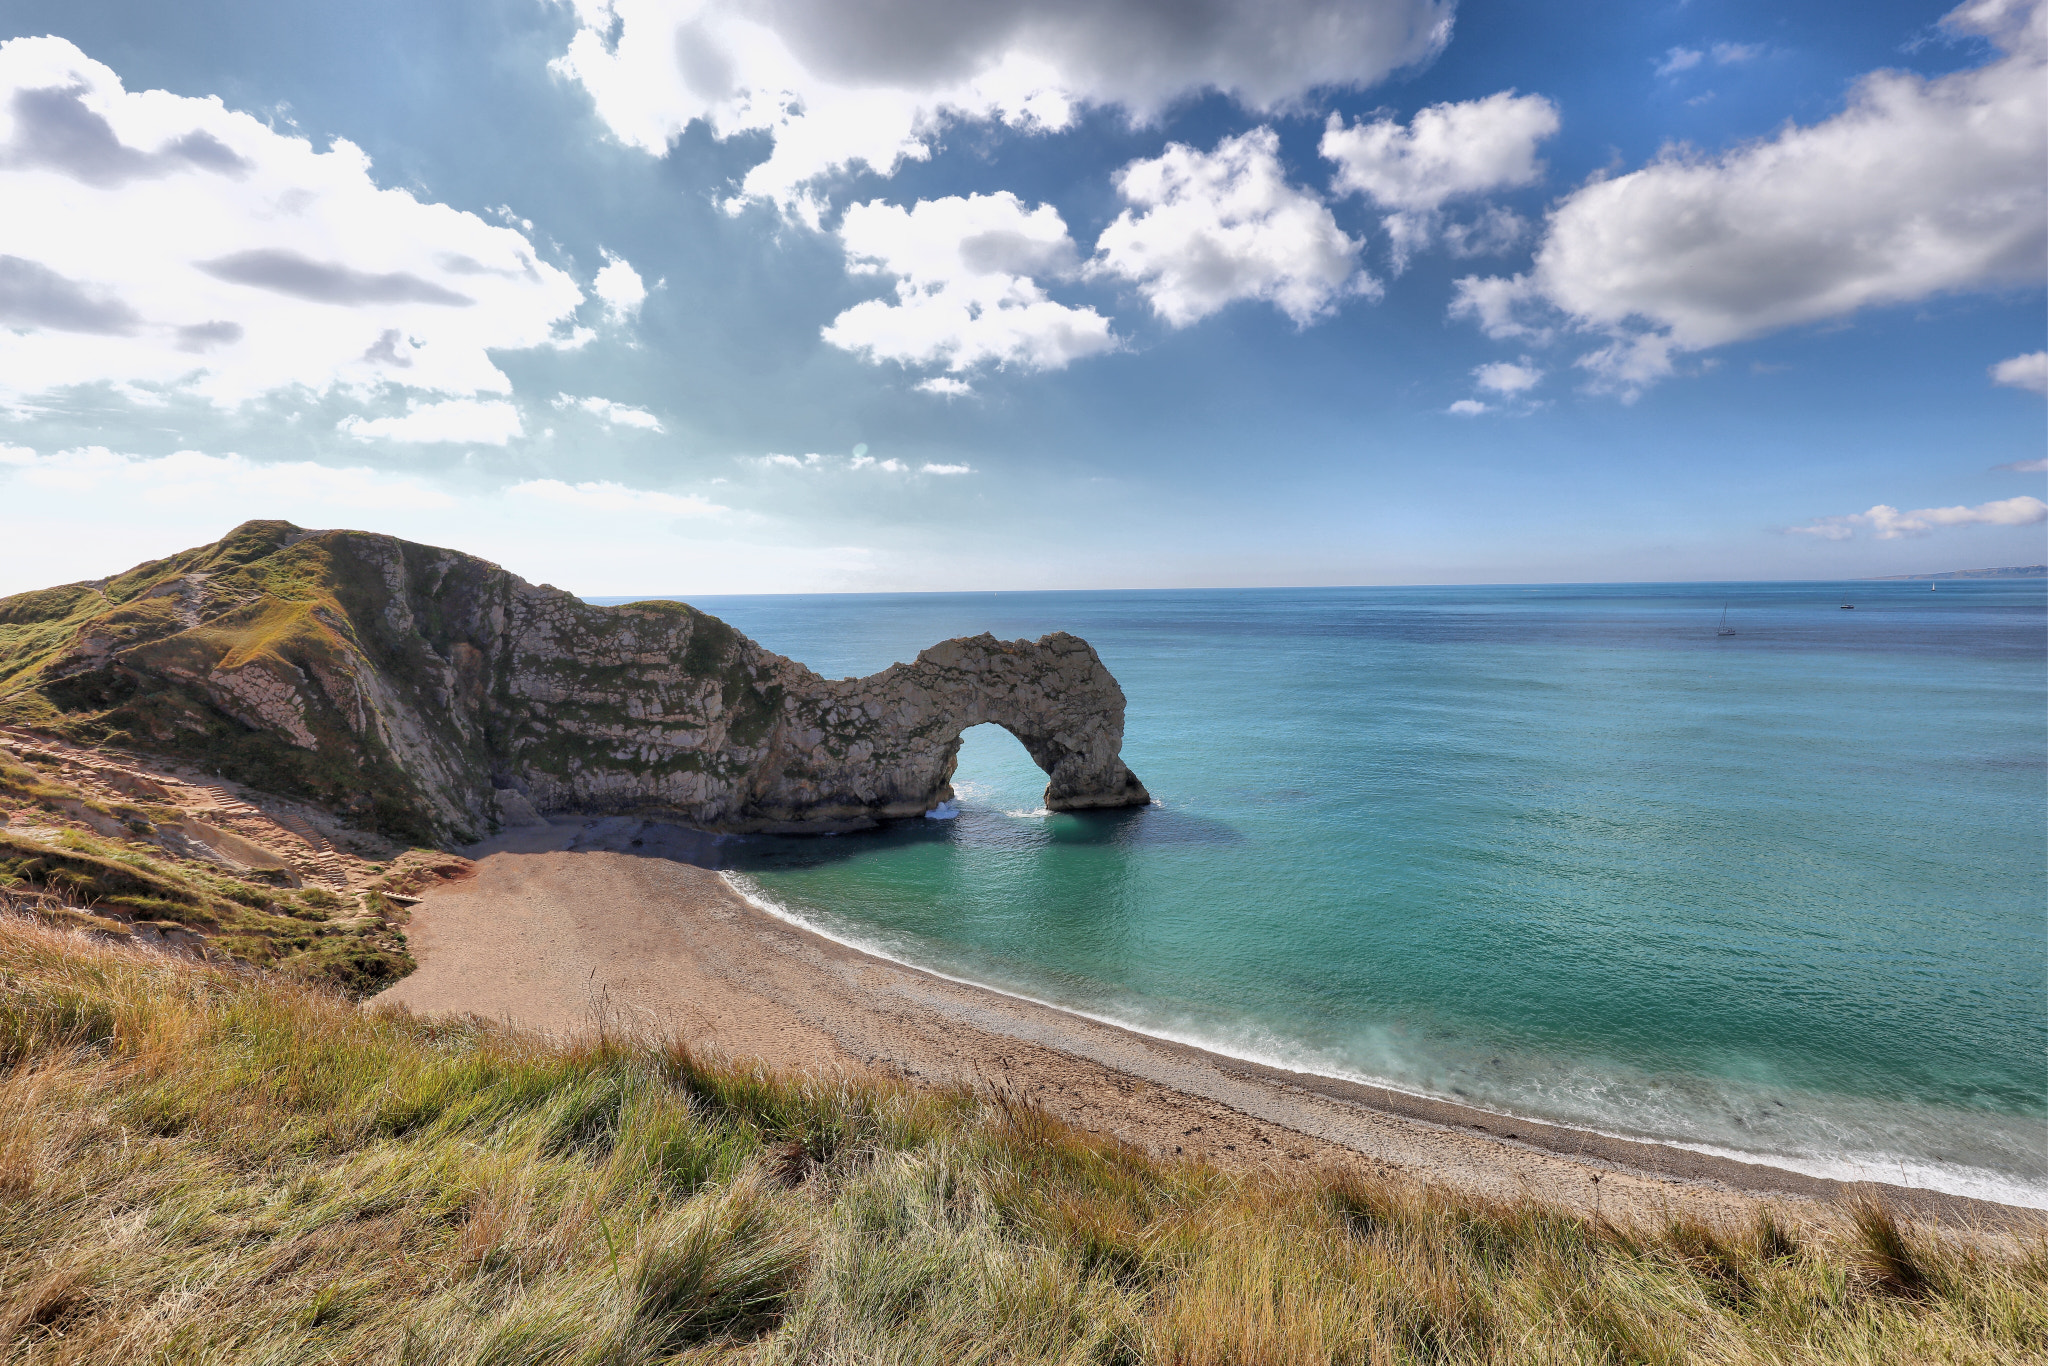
561, 942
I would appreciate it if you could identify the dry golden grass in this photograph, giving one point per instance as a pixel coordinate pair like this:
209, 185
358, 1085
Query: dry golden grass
200, 1165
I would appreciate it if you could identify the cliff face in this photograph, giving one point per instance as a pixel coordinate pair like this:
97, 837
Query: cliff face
434, 695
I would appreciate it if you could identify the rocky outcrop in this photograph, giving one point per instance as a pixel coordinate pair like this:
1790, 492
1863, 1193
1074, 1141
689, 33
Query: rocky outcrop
434, 694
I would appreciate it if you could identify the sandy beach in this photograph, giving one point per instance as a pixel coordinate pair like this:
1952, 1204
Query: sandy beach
559, 942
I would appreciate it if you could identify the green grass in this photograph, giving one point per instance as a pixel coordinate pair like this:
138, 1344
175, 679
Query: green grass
106, 887
203, 1165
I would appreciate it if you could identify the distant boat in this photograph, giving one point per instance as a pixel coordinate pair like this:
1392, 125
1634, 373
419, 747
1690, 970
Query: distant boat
1848, 607
1725, 629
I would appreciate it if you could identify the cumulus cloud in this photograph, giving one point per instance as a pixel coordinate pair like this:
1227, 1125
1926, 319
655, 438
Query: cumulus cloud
620, 287
945, 386
966, 295
157, 242
607, 496
1490, 233
1505, 377
1920, 187
1890, 524
1446, 152
2029, 371
838, 86
610, 413
1210, 228
945, 469
484, 422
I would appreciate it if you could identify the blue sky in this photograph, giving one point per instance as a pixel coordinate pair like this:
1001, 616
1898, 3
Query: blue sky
701, 296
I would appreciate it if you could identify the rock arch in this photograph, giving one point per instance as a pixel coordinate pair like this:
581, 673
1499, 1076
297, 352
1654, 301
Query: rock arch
433, 695
888, 744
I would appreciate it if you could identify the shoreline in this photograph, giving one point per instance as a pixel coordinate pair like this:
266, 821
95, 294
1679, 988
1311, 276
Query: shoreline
556, 941
1565, 1139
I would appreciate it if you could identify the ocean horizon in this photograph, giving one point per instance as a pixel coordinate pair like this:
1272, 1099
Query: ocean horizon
1558, 851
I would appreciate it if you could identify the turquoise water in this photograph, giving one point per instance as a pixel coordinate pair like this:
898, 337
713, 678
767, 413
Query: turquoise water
1560, 852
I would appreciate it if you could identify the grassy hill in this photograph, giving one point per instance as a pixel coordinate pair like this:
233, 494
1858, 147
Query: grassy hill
200, 1164
394, 684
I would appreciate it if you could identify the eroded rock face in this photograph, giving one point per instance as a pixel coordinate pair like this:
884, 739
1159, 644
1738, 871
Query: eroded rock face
433, 693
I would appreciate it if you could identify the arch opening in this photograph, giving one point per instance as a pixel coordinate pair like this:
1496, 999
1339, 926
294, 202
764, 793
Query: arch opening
990, 765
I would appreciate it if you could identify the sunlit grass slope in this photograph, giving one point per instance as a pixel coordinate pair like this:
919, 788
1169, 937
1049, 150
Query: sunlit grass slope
205, 1165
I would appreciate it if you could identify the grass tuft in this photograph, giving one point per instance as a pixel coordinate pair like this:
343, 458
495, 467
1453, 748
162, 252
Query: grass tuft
1886, 1252
206, 1164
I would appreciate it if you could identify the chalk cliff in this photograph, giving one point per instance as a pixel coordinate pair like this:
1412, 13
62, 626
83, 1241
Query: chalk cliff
434, 695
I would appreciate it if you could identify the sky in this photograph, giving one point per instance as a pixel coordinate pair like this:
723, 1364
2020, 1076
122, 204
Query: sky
727, 296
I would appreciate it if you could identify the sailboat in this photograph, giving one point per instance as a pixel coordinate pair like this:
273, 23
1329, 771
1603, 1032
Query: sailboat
1725, 629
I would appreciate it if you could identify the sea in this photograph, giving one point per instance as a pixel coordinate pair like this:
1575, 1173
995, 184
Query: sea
1561, 852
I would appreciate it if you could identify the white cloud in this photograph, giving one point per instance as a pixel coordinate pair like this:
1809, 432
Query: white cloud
214, 485
1497, 305
1629, 364
1225, 225
1680, 59
606, 496
1468, 407
1505, 377
945, 386
1890, 524
1494, 231
838, 86
965, 292
1446, 152
485, 422
610, 413
81, 514
621, 288
1828, 530
859, 462
1919, 187
2029, 371
1734, 54
163, 242
2025, 466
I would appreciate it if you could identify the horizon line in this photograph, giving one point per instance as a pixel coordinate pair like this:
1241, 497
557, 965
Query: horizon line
1960, 575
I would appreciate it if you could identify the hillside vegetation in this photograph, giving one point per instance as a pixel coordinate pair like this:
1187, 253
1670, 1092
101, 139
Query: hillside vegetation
433, 697
202, 1164
104, 844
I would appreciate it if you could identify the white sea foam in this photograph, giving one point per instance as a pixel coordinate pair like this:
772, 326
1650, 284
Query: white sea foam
1632, 1118
944, 811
